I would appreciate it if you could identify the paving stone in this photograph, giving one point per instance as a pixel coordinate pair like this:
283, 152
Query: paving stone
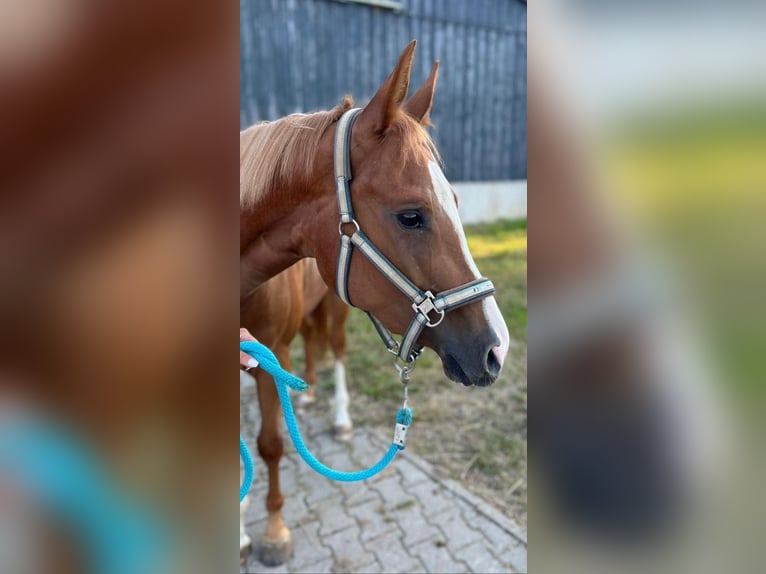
257, 568
323, 444
308, 548
295, 510
362, 445
456, 530
499, 538
434, 553
341, 460
409, 473
348, 550
391, 553
356, 493
319, 489
256, 510
321, 567
332, 517
373, 520
432, 498
480, 560
515, 557
372, 568
393, 493
414, 526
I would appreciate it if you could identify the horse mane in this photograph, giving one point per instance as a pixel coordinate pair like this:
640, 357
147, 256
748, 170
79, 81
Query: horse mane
278, 153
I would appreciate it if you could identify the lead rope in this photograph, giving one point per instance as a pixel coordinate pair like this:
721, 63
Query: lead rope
67, 478
284, 380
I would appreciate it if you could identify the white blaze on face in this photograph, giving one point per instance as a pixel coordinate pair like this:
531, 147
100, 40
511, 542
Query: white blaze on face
492, 313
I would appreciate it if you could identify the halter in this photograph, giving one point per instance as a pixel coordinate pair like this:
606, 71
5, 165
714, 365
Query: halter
429, 309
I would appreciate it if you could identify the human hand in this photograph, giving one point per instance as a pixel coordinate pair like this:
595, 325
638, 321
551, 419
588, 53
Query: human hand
245, 360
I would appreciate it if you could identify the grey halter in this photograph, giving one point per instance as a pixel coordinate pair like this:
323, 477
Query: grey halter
425, 304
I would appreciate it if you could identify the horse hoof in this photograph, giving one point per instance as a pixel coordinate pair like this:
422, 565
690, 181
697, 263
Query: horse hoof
244, 553
274, 553
344, 433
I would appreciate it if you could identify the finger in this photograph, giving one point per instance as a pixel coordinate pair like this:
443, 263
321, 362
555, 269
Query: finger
244, 335
247, 361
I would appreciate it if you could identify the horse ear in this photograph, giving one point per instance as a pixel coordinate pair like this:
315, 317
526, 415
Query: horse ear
419, 105
384, 104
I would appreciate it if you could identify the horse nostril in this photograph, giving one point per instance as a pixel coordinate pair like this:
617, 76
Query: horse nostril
493, 365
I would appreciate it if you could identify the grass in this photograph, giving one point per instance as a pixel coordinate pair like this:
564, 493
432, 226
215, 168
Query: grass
694, 179
477, 436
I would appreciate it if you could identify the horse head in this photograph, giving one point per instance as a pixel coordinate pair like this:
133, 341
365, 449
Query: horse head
408, 210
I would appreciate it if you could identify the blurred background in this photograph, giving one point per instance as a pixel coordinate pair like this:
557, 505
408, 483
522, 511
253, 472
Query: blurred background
646, 146
118, 286
300, 56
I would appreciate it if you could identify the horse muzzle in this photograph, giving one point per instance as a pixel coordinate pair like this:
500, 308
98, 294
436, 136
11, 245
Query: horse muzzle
475, 362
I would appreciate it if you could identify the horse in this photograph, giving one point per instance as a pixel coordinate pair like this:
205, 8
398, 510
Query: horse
298, 200
299, 291
298, 301
322, 327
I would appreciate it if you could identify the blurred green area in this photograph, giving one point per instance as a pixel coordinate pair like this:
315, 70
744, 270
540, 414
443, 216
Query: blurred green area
694, 178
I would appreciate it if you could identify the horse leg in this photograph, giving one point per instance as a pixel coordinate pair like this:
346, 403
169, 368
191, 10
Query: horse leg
275, 548
245, 544
343, 425
308, 397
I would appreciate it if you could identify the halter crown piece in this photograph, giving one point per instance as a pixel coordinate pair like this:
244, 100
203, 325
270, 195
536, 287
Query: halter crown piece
429, 308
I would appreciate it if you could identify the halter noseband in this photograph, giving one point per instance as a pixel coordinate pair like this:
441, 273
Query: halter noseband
429, 308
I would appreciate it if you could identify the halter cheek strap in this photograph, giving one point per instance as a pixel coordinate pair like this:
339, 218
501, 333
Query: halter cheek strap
429, 309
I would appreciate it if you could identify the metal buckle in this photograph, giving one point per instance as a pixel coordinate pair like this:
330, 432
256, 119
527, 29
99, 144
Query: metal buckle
426, 306
341, 223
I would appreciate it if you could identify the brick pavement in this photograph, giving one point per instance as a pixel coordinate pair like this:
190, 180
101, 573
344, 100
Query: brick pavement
406, 519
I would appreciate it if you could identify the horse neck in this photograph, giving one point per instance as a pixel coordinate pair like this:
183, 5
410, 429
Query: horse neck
273, 236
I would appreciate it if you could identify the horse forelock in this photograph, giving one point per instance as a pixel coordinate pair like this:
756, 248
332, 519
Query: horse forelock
416, 142
282, 152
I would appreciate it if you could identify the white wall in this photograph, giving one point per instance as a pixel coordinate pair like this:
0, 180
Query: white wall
482, 201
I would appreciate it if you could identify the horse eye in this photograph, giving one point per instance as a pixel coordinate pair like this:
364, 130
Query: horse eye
410, 219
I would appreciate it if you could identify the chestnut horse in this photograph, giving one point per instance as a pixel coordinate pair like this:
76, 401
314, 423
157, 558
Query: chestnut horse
289, 211
298, 297
298, 300
322, 326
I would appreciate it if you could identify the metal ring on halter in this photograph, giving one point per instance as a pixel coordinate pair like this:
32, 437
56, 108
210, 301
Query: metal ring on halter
405, 369
441, 318
394, 350
426, 306
341, 223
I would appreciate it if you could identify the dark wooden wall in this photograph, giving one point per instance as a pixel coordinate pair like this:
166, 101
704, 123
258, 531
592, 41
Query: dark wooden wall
304, 55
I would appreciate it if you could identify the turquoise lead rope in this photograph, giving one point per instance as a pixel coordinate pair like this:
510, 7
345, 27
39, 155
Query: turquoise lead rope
284, 380
57, 467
